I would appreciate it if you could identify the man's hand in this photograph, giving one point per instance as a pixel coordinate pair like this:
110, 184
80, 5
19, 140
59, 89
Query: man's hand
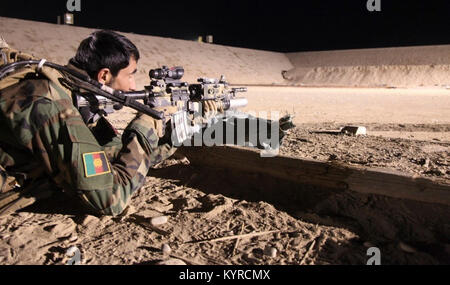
151, 123
159, 124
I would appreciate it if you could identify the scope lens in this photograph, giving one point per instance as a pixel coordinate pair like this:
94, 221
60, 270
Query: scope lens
156, 73
177, 73
163, 73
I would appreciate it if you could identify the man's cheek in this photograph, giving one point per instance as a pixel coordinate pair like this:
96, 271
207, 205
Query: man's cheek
118, 85
132, 84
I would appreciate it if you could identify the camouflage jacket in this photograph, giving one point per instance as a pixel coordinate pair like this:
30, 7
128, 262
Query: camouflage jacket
42, 129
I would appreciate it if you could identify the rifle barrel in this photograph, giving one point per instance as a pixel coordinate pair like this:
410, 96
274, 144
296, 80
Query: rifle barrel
238, 103
136, 95
240, 89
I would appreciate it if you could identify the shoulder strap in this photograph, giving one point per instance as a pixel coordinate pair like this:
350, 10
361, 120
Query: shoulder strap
9, 55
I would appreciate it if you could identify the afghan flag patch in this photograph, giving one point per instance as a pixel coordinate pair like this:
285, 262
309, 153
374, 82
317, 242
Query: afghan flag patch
95, 164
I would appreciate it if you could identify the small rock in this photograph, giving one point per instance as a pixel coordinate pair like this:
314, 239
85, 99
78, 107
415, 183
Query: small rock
406, 248
148, 214
172, 261
88, 223
185, 204
166, 249
211, 201
353, 130
23, 214
250, 258
270, 251
159, 220
89, 220
127, 212
161, 207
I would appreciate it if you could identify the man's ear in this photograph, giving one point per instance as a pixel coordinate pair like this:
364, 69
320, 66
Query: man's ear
104, 76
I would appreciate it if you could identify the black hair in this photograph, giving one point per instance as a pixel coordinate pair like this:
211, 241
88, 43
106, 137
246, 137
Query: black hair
104, 49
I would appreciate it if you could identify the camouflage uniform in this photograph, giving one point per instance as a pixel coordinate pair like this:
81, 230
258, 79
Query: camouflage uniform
41, 129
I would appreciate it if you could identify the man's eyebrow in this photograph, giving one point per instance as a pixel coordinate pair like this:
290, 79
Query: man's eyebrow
134, 72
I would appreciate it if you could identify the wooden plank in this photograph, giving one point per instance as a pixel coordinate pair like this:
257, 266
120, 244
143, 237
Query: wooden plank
326, 174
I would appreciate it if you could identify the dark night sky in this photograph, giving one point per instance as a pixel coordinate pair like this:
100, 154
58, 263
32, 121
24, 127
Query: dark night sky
278, 25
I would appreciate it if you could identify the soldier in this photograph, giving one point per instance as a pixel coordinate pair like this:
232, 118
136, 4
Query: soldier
44, 135
48, 143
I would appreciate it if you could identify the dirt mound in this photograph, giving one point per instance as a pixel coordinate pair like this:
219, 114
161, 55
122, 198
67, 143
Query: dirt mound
381, 67
390, 67
58, 43
371, 76
414, 55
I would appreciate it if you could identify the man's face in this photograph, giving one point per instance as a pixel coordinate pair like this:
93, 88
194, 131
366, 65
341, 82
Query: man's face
124, 81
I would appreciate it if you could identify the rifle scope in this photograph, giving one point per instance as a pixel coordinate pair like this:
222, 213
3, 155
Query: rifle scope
175, 73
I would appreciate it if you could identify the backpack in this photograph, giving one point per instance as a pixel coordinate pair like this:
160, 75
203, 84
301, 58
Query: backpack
10, 55
12, 196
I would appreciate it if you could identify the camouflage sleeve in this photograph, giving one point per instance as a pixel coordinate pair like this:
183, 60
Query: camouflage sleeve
109, 193
106, 185
59, 139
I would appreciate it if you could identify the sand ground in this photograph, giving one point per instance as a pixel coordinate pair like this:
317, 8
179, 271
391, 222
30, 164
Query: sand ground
350, 105
312, 226
361, 106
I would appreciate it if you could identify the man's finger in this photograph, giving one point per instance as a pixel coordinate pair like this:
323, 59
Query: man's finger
206, 107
